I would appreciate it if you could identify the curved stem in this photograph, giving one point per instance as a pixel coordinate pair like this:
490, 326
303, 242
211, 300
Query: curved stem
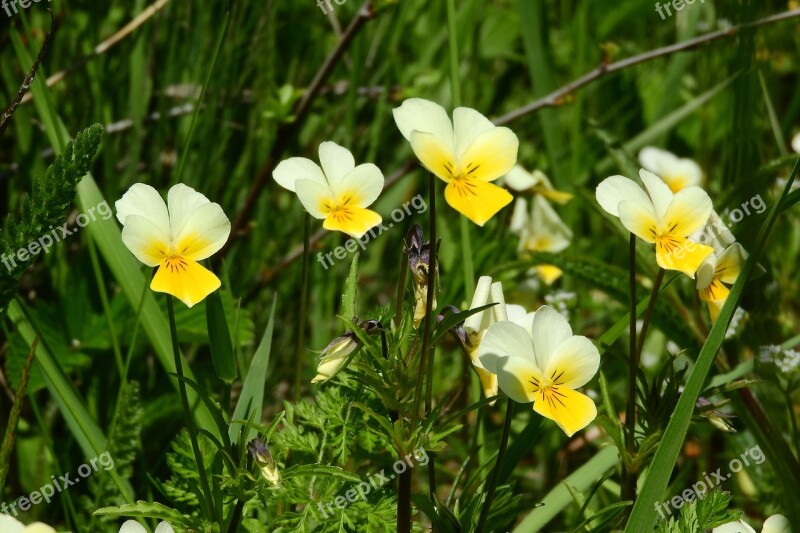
648, 314
497, 467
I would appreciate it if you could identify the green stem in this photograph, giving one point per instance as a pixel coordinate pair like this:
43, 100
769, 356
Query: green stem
101, 289
301, 319
628, 484
198, 457
487, 505
648, 314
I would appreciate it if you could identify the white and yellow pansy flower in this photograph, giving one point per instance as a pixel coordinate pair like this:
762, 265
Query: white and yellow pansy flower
676, 172
475, 326
9, 524
660, 217
544, 365
132, 526
540, 229
719, 270
774, 524
174, 237
468, 154
521, 180
338, 193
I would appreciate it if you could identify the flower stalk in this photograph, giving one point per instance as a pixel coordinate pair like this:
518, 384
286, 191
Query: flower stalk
487, 504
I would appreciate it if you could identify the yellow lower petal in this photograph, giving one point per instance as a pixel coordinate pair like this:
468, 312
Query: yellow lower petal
558, 197
681, 254
354, 221
549, 273
185, 279
571, 410
715, 292
714, 309
477, 200
488, 382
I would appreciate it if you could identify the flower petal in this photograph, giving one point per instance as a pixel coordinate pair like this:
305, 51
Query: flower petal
360, 187
467, 125
354, 221
294, 169
482, 296
549, 273
520, 316
337, 162
491, 155
132, 526
516, 377
730, 263
688, 212
796, 143
505, 339
705, 272
639, 219
521, 180
574, 362
434, 155
204, 232
183, 201
416, 114
188, 281
548, 226
734, 527
520, 219
317, 198
659, 192
147, 241
571, 410
777, 523
616, 189
38, 527
676, 253
143, 200
489, 382
549, 330
656, 160
10, 525
477, 200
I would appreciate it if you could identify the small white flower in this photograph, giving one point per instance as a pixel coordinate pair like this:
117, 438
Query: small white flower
8, 524
774, 524
677, 173
132, 526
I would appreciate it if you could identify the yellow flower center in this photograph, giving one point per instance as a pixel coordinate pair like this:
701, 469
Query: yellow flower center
175, 263
340, 211
548, 388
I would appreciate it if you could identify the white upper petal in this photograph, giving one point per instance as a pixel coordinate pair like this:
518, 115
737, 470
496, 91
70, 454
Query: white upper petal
520, 179
183, 201
132, 526
796, 143
656, 160
499, 298
520, 316
8, 524
205, 231
38, 527
337, 162
481, 297
291, 170
505, 339
143, 200
416, 114
579, 357
467, 125
616, 189
365, 182
777, 523
689, 170
148, 242
520, 219
514, 376
734, 527
659, 192
312, 194
164, 527
549, 330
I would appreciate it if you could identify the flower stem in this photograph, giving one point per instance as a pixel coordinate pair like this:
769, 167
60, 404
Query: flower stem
198, 456
487, 505
301, 319
648, 314
628, 485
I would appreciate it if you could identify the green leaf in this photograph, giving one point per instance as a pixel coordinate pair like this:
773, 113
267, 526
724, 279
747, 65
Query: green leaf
219, 337
644, 514
320, 471
251, 401
142, 509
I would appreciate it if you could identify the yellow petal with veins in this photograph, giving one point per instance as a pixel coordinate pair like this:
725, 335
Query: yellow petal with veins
678, 253
488, 382
715, 292
571, 410
714, 309
549, 273
434, 155
184, 279
355, 221
477, 200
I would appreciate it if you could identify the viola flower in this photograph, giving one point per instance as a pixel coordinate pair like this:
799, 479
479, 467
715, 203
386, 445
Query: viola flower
660, 217
419, 259
540, 230
335, 355
521, 180
9, 524
260, 453
174, 238
716, 273
132, 526
677, 173
544, 365
468, 154
774, 524
338, 193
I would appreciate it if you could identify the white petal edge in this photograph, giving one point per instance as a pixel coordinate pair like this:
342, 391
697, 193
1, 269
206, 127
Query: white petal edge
182, 202
337, 162
579, 357
132, 526
294, 169
365, 182
549, 330
209, 225
479, 299
467, 125
734, 527
312, 194
505, 339
616, 189
145, 240
660, 194
143, 200
164, 527
417, 114
8, 524
777, 523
